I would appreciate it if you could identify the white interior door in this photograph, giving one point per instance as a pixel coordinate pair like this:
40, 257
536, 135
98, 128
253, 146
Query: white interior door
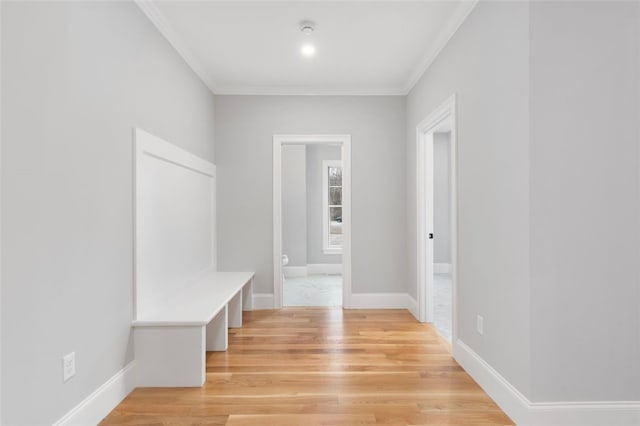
429, 235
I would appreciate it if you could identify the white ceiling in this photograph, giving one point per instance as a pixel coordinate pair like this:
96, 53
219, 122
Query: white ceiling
362, 47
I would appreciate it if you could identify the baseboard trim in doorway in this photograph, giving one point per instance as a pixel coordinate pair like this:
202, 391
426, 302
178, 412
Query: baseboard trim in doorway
442, 268
526, 413
294, 271
379, 300
412, 306
262, 301
324, 268
99, 404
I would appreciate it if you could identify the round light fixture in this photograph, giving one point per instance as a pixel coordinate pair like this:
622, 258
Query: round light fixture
307, 27
308, 50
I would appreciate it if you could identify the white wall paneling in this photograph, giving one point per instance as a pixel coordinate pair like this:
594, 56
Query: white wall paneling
174, 220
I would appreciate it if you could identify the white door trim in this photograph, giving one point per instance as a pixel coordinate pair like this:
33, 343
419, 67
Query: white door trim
344, 141
424, 197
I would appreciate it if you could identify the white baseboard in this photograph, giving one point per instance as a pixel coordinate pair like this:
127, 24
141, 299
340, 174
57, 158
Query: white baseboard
324, 268
596, 413
379, 301
526, 413
99, 404
442, 268
262, 301
499, 389
412, 306
294, 271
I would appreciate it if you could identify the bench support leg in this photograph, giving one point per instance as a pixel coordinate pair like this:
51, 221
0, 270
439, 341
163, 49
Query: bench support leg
217, 332
170, 356
235, 311
247, 296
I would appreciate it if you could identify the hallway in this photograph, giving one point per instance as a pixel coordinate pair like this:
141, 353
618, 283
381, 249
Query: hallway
322, 366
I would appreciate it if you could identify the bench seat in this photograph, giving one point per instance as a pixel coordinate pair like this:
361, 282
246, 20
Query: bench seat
199, 302
171, 340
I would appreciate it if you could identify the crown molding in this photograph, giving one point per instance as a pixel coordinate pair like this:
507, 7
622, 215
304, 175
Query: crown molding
149, 8
307, 91
451, 27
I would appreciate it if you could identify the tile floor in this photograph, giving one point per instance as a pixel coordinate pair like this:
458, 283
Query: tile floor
442, 317
313, 290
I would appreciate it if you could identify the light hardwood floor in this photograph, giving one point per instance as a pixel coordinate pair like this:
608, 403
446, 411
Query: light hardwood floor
322, 366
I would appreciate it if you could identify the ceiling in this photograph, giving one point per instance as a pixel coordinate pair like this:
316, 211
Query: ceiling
362, 47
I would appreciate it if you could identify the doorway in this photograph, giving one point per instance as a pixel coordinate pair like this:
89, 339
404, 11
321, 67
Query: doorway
436, 202
299, 280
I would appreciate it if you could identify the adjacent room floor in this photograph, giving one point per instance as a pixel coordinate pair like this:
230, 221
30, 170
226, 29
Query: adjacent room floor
313, 290
322, 366
443, 304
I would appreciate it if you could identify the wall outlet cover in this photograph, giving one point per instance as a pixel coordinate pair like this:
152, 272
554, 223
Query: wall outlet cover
480, 325
68, 366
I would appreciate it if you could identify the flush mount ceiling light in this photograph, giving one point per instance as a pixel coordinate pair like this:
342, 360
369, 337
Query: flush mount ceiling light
307, 28
308, 50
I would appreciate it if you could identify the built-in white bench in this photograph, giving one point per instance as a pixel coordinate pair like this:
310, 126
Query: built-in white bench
180, 312
170, 342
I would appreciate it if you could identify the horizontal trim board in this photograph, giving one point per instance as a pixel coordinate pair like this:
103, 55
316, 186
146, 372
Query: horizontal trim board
442, 268
294, 271
379, 300
103, 400
309, 91
526, 413
324, 268
620, 413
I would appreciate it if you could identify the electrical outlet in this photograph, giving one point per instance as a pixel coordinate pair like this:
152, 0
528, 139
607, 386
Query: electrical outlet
480, 325
68, 366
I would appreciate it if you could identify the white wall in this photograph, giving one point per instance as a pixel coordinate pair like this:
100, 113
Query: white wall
245, 126
316, 154
585, 231
76, 78
486, 64
294, 204
441, 198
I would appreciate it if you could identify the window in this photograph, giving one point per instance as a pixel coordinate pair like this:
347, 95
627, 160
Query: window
332, 206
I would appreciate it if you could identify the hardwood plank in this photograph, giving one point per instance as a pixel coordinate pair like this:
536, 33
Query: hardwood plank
319, 366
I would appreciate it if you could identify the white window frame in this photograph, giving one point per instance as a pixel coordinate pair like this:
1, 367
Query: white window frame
326, 248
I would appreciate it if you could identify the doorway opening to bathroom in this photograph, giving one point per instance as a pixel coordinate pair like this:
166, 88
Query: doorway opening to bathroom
436, 202
312, 220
